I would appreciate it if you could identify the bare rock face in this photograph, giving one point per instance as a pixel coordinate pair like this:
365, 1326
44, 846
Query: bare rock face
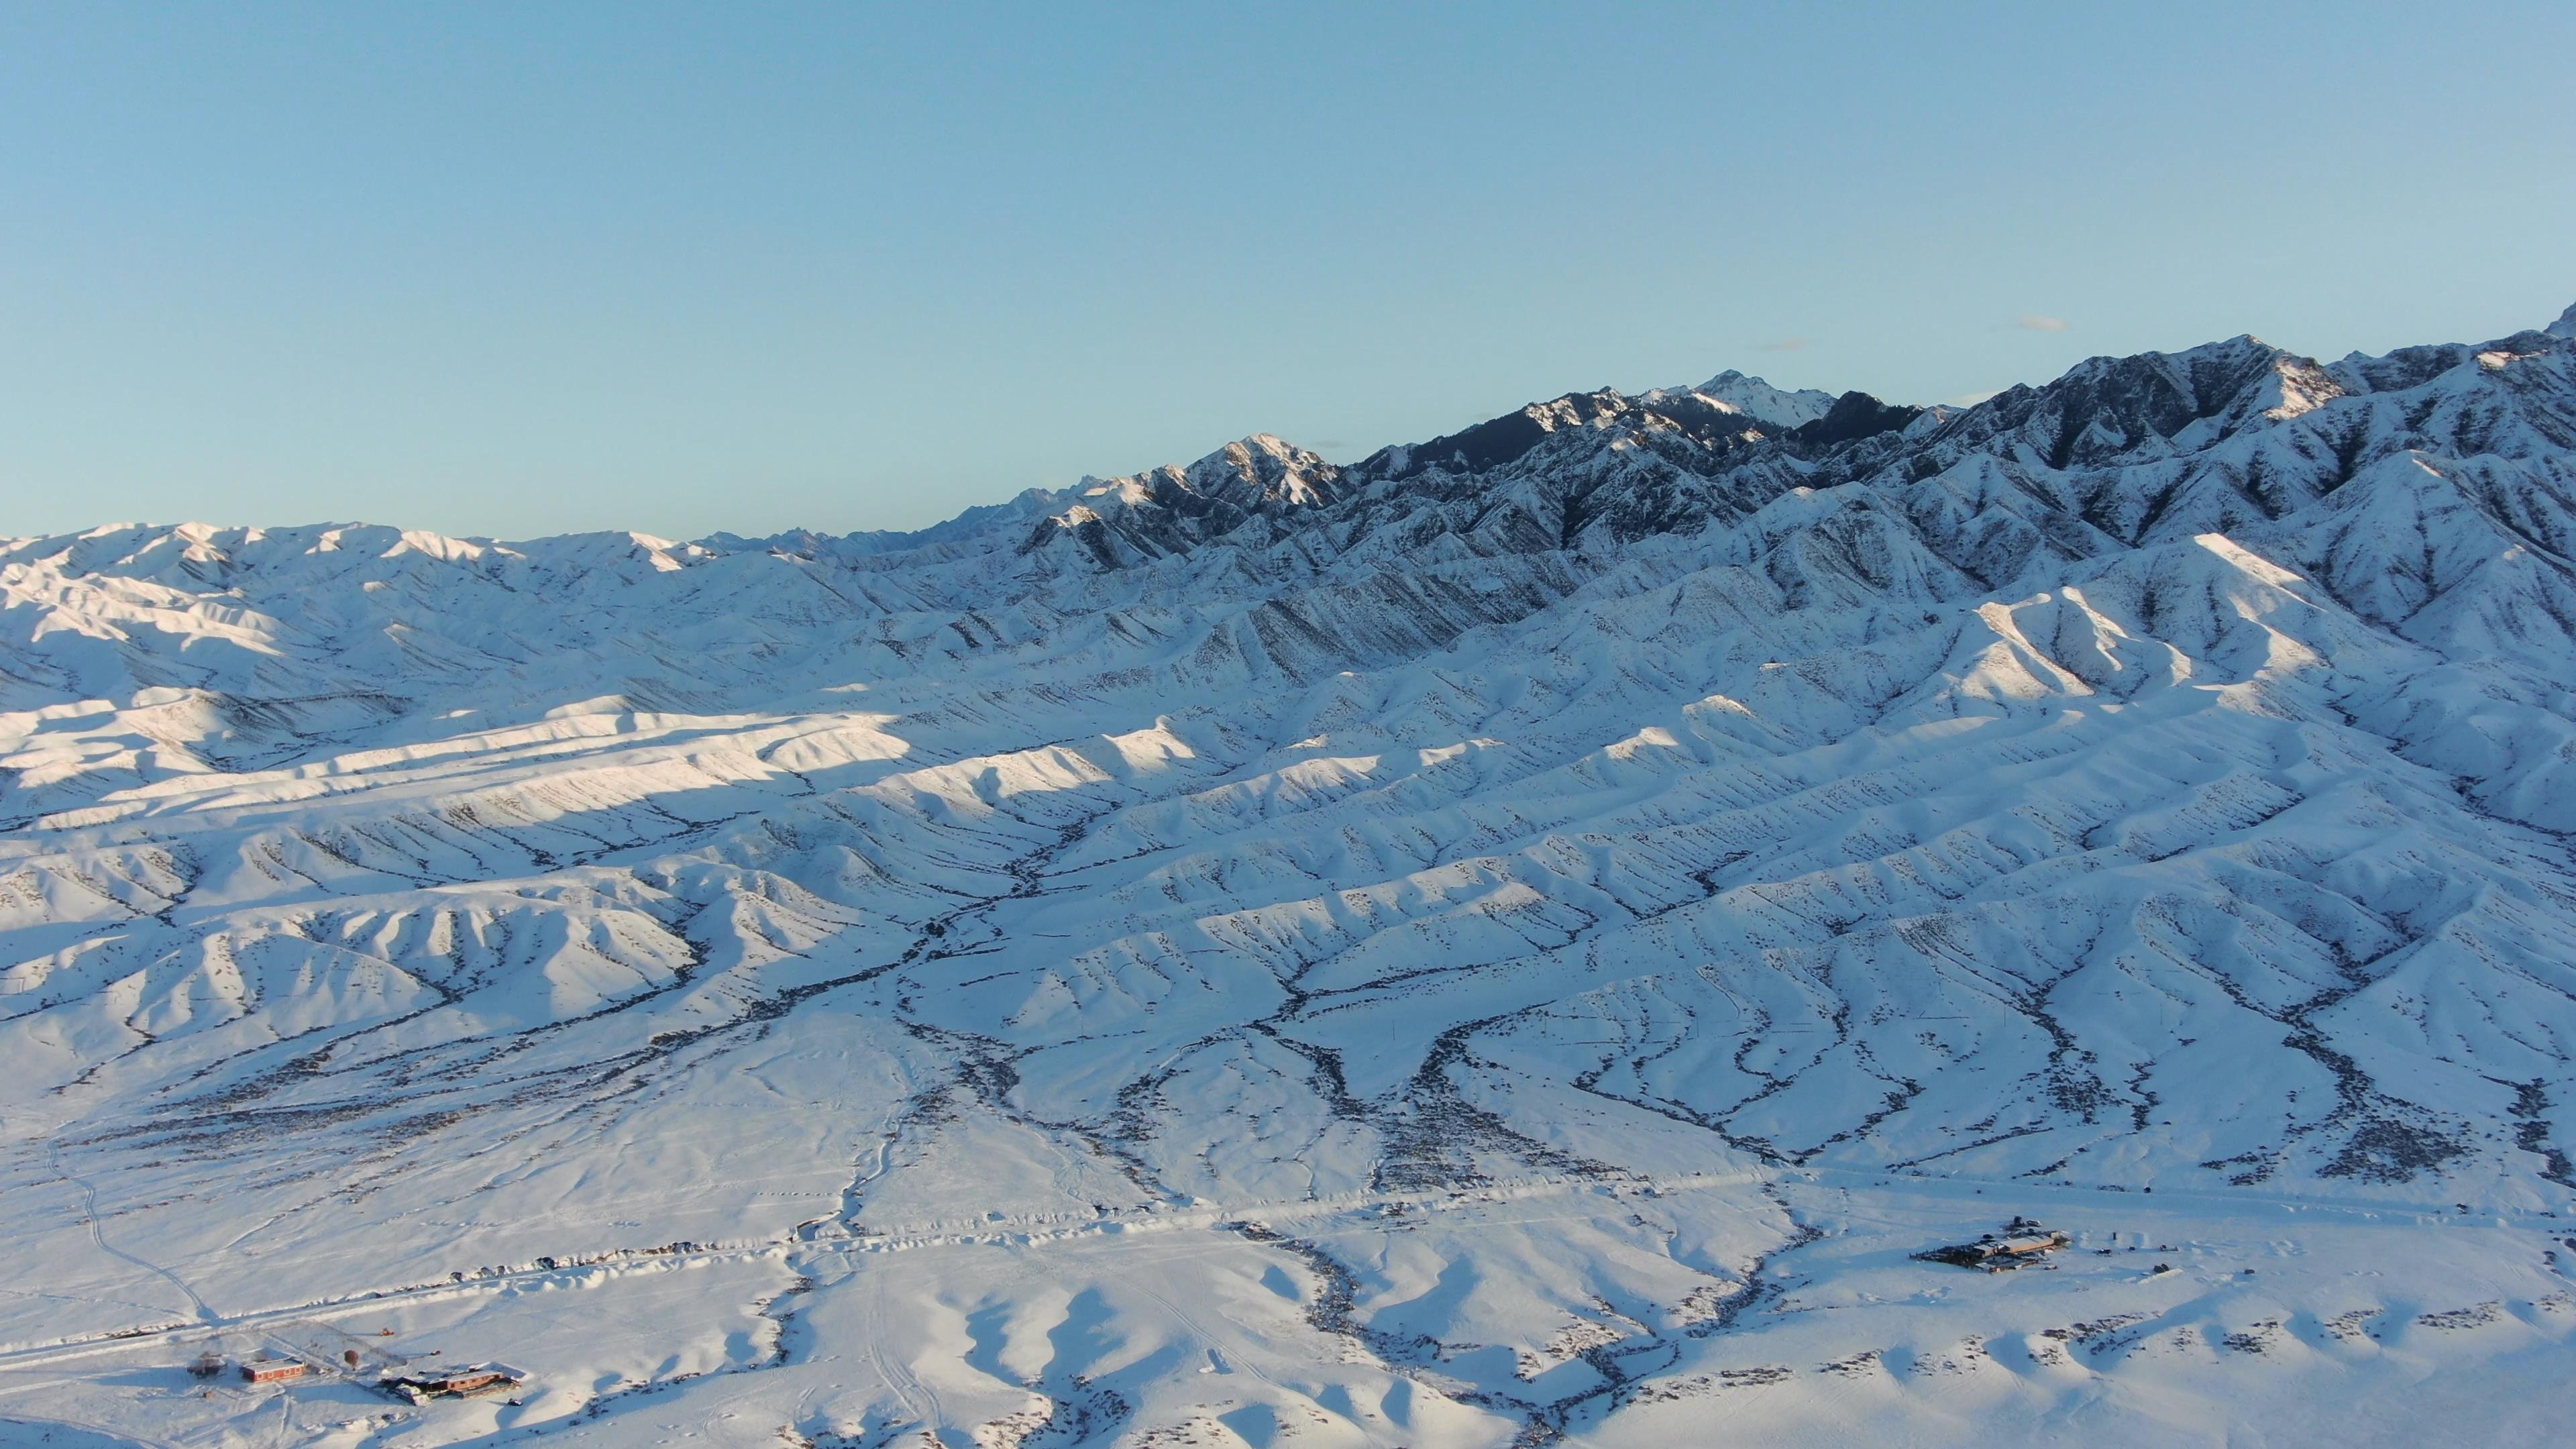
1522, 905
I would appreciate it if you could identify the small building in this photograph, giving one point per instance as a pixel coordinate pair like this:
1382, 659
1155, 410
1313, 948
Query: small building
273, 1370
2023, 1241
453, 1381
2028, 1245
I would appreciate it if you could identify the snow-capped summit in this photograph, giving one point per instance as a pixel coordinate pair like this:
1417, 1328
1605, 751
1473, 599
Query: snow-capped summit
2565, 326
1759, 400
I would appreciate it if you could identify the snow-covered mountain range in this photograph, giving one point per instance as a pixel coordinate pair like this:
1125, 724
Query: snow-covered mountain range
1517, 937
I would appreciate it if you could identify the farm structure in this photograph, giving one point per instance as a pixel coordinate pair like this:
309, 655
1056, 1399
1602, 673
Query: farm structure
2022, 1242
455, 1381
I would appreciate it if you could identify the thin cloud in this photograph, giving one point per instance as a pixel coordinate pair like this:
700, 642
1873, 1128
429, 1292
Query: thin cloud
2040, 322
1786, 344
1971, 399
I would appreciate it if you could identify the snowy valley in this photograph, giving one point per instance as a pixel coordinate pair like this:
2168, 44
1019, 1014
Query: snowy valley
1518, 939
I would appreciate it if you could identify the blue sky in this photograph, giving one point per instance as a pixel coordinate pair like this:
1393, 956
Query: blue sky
507, 270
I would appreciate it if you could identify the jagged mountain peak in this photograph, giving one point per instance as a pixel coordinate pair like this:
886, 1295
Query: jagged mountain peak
1282, 472
1502, 440
2108, 409
1779, 407
2565, 326
1116, 522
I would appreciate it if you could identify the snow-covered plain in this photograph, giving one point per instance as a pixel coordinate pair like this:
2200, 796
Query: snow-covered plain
1518, 938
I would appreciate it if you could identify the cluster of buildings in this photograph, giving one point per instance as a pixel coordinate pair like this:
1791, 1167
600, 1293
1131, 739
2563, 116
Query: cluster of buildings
411, 1382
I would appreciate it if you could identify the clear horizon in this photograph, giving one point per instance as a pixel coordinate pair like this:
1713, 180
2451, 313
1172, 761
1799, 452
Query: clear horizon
681, 271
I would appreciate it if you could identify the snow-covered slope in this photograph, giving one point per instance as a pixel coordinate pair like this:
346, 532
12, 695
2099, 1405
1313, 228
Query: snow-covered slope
1516, 937
1778, 407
